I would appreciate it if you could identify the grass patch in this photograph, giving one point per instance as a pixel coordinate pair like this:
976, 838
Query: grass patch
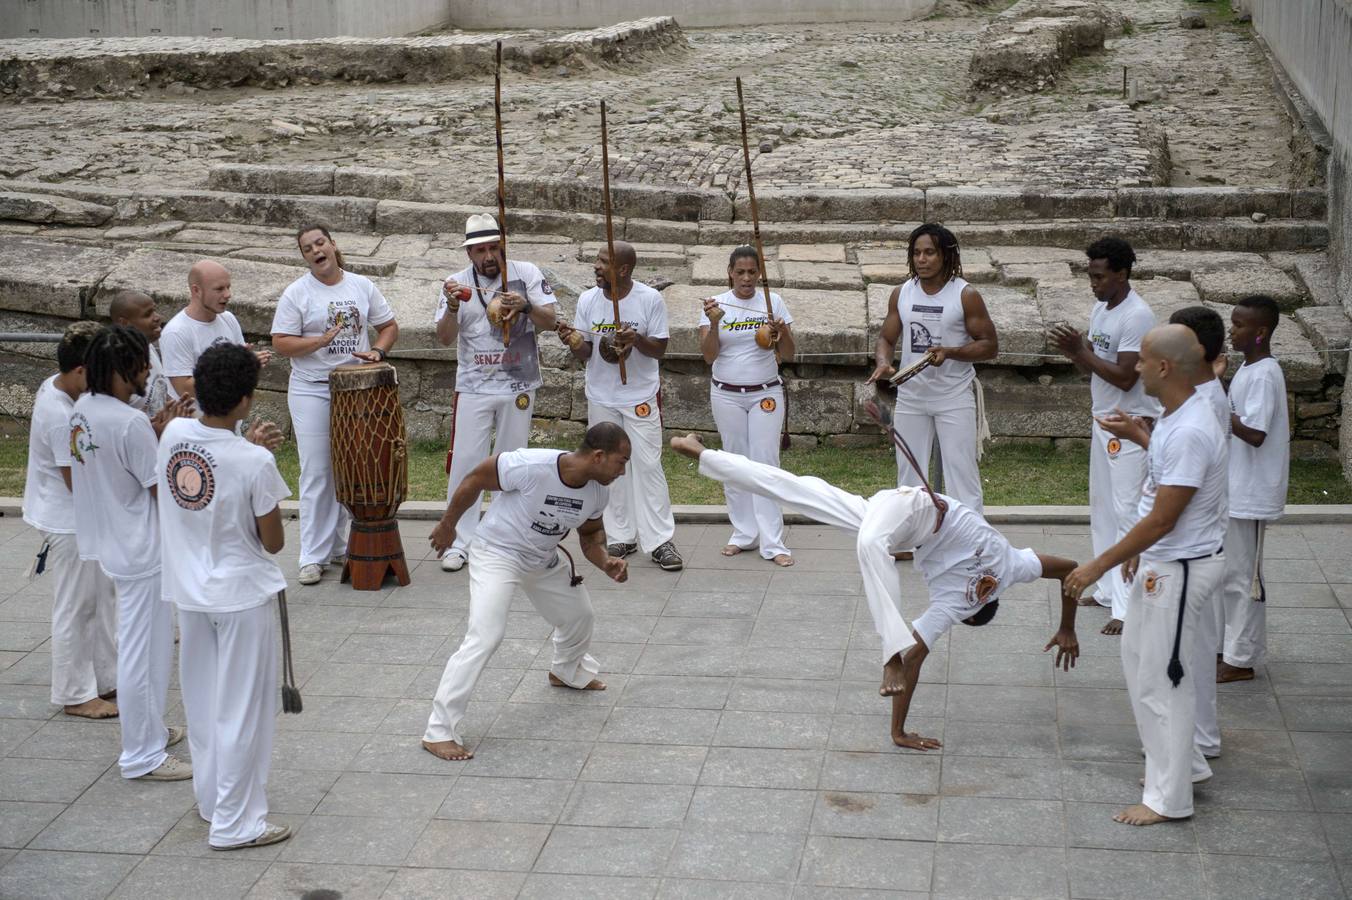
1012, 475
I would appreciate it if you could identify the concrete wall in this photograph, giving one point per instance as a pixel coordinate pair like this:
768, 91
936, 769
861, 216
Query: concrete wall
1313, 41
691, 14
219, 18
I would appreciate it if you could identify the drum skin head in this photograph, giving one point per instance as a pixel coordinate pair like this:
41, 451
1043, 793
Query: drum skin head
362, 377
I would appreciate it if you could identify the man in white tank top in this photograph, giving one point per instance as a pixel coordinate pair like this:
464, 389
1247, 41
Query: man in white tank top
495, 380
1117, 325
937, 313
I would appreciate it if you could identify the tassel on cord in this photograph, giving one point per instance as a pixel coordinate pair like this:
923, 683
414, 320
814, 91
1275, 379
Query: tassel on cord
983, 425
1175, 669
1257, 590
574, 579
290, 693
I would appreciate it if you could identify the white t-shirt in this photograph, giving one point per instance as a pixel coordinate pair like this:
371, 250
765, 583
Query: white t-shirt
1120, 330
184, 339
158, 390
1258, 475
643, 310
1214, 392
112, 448
933, 320
965, 566
740, 359
47, 503
213, 485
1187, 449
535, 509
483, 365
309, 307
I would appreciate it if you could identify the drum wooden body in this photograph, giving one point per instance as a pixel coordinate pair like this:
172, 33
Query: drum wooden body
370, 469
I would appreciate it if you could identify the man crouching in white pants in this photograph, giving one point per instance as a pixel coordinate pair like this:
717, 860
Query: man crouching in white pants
539, 496
1178, 540
966, 564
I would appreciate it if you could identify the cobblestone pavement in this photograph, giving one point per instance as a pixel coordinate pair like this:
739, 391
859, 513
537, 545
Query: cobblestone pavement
740, 750
841, 105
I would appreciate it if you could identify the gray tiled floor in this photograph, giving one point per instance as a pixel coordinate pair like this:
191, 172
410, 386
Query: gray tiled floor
741, 751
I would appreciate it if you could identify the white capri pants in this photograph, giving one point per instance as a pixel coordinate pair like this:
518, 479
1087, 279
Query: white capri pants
750, 425
492, 580
1245, 616
228, 666
84, 624
639, 510
1116, 481
1166, 714
886, 521
477, 416
323, 520
954, 420
145, 644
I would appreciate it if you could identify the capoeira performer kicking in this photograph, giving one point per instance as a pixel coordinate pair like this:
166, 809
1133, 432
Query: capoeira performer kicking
112, 448
84, 600
540, 495
966, 563
218, 496
495, 383
1118, 323
1174, 556
1260, 456
747, 395
321, 323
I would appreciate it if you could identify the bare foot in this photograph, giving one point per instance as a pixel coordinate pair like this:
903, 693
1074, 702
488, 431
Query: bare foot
903, 556
894, 676
449, 750
1140, 814
1088, 601
98, 708
1114, 626
595, 684
783, 560
731, 550
912, 741
690, 445
1226, 673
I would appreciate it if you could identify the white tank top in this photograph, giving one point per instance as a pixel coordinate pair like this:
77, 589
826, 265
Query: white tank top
933, 320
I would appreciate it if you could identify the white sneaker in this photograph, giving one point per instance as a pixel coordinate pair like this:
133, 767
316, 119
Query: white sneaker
172, 769
453, 561
176, 734
272, 834
311, 574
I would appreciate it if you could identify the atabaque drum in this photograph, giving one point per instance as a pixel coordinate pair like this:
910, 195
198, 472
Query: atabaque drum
370, 469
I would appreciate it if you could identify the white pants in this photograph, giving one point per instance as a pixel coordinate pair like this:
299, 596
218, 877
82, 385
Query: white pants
1245, 636
881, 523
1166, 714
1115, 484
323, 520
477, 416
749, 425
228, 668
492, 580
639, 510
954, 420
84, 624
145, 645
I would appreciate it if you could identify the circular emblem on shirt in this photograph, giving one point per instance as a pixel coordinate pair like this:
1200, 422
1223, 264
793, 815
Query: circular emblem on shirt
1114, 447
981, 588
643, 410
1153, 582
523, 401
190, 480
768, 404
81, 438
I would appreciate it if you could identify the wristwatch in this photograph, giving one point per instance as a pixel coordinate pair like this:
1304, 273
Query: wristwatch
381, 351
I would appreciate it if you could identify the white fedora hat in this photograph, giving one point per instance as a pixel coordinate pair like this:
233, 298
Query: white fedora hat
480, 229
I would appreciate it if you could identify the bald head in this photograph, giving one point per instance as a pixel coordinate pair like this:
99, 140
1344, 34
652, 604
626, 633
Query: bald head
209, 289
625, 255
625, 260
126, 304
1175, 343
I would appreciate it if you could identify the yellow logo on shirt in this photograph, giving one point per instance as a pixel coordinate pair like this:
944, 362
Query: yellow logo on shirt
981, 588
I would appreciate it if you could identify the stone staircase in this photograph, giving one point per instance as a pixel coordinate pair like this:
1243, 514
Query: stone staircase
835, 256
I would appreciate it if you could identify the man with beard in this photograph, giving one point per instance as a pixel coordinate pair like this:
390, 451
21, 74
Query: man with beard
204, 322
496, 375
639, 512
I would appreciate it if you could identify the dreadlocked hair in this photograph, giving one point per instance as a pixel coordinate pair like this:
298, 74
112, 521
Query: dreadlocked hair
315, 226
948, 250
116, 350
